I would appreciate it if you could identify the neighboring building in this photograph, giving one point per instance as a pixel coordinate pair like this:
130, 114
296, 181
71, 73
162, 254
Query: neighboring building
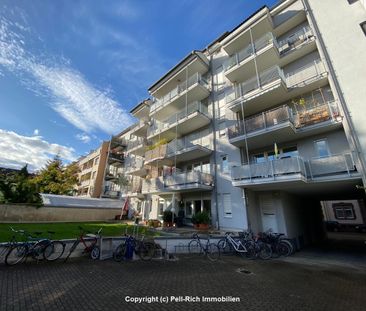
92, 168
259, 127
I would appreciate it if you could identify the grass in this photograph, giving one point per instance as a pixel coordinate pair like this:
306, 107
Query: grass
69, 230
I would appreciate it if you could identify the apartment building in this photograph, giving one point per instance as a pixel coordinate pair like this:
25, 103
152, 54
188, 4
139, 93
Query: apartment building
259, 127
91, 173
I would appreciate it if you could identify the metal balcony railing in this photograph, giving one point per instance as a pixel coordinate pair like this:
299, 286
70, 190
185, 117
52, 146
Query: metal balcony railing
140, 141
184, 143
116, 156
316, 167
306, 74
266, 77
179, 180
192, 108
176, 92
249, 50
295, 40
299, 118
134, 164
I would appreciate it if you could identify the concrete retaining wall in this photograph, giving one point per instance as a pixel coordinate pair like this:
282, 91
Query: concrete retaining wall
24, 213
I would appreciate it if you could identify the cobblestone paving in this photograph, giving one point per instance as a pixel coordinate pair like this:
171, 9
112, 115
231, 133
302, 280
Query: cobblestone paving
82, 284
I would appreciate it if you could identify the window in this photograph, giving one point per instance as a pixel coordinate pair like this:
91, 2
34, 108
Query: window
321, 148
93, 176
226, 202
222, 128
259, 158
344, 211
289, 152
96, 161
189, 209
363, 27
224, 164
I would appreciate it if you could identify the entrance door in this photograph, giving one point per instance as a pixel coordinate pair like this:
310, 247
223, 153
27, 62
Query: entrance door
268, 211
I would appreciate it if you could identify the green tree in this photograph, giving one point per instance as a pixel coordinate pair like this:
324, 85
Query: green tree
17, 187
56, 178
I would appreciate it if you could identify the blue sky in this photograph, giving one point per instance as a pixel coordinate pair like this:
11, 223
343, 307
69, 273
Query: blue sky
71, 70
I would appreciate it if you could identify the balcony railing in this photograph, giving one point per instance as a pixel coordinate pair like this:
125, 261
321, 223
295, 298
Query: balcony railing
285, 167
295, 40
181, 144
249, 50
135, 143
159, 127
133, 165
116, 156
280, 115
177, 181
135, 186
266, 77
176, 92
306, 74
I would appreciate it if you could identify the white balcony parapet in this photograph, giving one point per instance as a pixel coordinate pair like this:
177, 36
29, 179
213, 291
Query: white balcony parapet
295, 40
271, 119
178, 91
249, 50
192, 108
182, 144
134, 164
266, 77
285, 168
178, 181
306, 74
139, 141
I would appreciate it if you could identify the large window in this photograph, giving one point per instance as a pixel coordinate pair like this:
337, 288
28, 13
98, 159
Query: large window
344, 211
224, 164
226, 202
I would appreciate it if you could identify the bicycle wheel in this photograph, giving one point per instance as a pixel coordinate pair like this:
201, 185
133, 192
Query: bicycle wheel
225, 247
37, 250
194, 247
285, 248
119, 252
213, 252
250, 247
146, 250
265, 251
54, 251
16, 254
95, 253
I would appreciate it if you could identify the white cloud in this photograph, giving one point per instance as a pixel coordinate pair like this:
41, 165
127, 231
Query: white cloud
73, 97
17, 150
36, 132
83, 137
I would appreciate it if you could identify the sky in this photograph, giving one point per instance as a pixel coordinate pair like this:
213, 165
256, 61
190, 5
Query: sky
70, 71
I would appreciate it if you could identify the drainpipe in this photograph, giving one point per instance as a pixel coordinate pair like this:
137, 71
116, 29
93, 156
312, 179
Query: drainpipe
355, 143
214, 141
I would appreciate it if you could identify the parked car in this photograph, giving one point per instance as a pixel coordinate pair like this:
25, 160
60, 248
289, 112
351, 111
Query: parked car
361, 228
331, 225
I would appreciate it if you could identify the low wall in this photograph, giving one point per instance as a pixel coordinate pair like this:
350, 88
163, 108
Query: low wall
25, 213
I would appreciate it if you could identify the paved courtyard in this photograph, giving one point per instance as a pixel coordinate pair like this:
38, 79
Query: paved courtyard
82, 284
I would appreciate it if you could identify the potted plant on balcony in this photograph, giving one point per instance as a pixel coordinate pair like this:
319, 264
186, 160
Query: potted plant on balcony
201, 220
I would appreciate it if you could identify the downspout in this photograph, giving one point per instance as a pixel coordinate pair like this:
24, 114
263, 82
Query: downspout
354, 138
214, 141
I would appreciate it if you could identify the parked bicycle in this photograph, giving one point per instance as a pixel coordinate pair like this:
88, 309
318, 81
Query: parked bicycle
196, 246
243, 246
279, 245
144, 249
89, 241
36, 247
5, 247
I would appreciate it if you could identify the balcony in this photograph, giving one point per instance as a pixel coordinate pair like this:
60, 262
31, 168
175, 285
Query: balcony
180, 182
272, 86
140, 128
111, 194
137, 146
283, 124
295, 169
179, 150
133, 189
271, 81
189, 119
116, 159
195, 88
239, 67
136, 168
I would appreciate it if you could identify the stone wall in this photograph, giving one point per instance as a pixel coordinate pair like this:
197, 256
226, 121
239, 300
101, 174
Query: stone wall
24, 213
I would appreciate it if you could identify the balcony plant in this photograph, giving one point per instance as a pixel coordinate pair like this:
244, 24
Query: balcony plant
201, 220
